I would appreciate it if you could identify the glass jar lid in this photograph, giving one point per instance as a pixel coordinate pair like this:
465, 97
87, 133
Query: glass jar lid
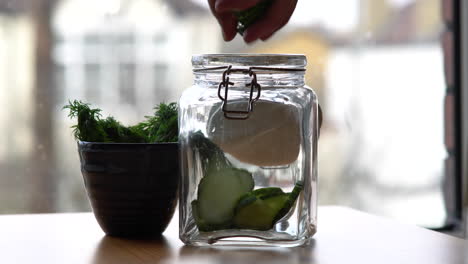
286, 61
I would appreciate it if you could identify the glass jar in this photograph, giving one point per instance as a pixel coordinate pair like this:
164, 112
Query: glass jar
248, 143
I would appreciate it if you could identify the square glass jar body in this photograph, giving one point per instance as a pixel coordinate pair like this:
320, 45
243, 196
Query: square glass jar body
248, 155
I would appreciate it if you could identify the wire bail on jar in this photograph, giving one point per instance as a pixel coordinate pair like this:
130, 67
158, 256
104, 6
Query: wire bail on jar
238, 114
225, 83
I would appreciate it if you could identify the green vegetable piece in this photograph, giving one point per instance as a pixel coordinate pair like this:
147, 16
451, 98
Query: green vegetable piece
245, 179
298, 187
245, 200
259, 214
218, 193
264, 193
247, 17
261, 209
202, 224
196, 216
212, 156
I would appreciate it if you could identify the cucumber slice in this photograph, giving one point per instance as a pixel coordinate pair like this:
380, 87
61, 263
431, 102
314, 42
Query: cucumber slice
202, 225
290, 202
248, 17
263, 208
264, 193
259, 214
245, 179
218, 193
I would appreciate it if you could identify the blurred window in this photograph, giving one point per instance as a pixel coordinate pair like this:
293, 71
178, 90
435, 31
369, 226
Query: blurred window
127, 84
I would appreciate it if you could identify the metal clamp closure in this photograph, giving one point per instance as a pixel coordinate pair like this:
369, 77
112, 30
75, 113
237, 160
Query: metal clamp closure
238, 114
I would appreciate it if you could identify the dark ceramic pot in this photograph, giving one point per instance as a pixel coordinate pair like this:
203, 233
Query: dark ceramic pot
132, 187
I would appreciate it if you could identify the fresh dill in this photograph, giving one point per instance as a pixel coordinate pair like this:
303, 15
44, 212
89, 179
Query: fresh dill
162, 126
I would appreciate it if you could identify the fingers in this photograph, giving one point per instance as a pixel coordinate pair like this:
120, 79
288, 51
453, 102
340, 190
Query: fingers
234, 5
228, 25
226, 20
276, 17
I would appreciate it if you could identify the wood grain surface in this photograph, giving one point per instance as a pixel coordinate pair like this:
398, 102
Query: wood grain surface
344, 236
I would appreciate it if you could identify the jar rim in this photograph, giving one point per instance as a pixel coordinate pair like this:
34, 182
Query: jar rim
249, 60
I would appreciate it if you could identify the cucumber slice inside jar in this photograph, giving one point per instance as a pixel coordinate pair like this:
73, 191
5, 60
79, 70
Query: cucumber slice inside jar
259, 214
202, 225
225, 197
218, 194
263, 208
245, 179
264, 193
290, 202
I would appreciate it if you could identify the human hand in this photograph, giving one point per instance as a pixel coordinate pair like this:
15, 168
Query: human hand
275, 17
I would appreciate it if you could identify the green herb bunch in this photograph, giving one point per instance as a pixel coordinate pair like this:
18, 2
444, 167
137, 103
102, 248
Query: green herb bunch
91, 127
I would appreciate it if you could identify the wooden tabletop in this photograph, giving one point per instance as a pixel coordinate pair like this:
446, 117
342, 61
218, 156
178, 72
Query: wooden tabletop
344, 236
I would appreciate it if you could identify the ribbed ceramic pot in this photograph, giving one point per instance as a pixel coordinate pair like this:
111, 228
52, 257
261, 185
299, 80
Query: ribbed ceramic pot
132, 188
